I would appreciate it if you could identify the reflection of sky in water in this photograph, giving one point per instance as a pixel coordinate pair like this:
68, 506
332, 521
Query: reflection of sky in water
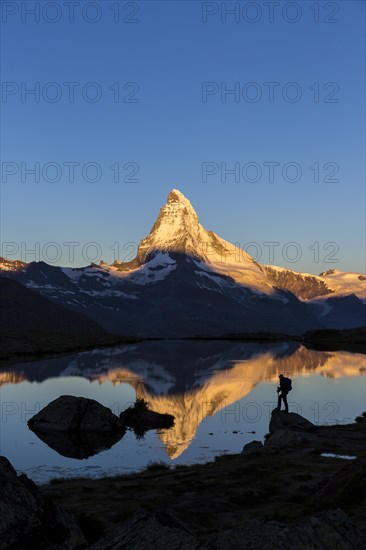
214, 389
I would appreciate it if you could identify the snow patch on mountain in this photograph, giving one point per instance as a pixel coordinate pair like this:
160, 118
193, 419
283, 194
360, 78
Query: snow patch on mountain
344, 284
155, 269
109, 293
32, 284
73, 273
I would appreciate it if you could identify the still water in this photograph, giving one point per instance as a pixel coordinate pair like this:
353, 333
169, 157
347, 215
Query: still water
219, 392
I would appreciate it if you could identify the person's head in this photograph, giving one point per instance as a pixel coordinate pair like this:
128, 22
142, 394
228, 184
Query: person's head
280, 376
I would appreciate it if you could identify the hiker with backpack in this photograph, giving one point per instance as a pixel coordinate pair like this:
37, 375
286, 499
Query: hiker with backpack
282, 390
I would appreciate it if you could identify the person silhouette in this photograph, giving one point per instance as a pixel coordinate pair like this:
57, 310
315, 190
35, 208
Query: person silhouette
282, 391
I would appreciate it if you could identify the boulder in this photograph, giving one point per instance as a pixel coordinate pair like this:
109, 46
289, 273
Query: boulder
149, 532
28, 520
253, 448
361, 418
281, 420
75, 414
285, 438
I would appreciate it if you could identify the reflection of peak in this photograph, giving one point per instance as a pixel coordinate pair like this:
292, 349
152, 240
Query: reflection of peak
213, 386
11, 378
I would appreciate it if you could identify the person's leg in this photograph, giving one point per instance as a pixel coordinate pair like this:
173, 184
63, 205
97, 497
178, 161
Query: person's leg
279, 402
284, 399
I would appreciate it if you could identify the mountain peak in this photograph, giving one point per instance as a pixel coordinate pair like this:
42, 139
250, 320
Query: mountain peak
176, 201
176, 228
176, 215
176, 196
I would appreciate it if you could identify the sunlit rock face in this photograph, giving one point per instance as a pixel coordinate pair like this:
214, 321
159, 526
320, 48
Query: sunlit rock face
176, 229
11, 265
301, 284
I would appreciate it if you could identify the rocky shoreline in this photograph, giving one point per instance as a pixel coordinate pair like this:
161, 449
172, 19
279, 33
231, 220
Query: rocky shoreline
283, 494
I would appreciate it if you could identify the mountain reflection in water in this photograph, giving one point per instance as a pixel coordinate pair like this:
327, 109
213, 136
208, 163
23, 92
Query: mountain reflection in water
190, 379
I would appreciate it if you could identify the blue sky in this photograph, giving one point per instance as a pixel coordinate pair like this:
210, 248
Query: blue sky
164, 127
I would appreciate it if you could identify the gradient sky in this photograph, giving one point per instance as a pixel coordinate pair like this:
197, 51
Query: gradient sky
169, 132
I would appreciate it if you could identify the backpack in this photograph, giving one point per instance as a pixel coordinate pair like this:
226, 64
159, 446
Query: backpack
288, 384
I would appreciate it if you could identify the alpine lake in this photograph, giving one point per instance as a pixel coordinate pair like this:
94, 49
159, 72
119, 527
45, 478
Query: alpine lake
221, 394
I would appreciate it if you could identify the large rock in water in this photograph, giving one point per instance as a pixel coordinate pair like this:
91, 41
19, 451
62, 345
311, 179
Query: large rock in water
27, 520
281, 420
75, 414
141, 419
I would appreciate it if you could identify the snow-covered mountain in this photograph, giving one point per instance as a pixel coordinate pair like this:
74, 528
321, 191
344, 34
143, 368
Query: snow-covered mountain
177, 230
307, 286
187, 281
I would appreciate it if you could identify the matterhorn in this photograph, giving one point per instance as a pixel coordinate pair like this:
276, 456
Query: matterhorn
186, 281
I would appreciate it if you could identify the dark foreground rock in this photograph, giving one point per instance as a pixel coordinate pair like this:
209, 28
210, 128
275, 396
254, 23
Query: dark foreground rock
329, 530
75, 414
346, 486
292, 431
28, 520
253, 448
160, 531
286, 438
280, 420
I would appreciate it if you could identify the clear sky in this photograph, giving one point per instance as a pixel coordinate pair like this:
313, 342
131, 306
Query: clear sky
141, 86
